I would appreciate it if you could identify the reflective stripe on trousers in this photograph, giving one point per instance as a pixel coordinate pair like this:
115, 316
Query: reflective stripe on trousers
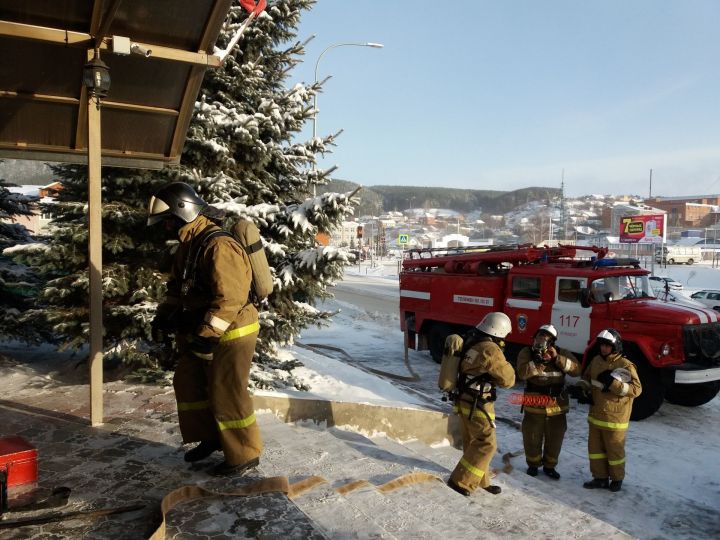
193, 405
471, 468
237, 424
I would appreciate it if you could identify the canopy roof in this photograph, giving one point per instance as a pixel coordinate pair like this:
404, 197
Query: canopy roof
43, 103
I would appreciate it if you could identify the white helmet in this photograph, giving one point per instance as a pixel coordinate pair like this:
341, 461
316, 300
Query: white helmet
495, 324
607, 336
549, 329
611, 337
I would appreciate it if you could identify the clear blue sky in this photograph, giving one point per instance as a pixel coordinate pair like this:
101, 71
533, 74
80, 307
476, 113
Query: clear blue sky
506, 94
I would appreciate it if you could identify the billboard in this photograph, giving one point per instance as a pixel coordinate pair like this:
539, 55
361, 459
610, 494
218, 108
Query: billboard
643, 229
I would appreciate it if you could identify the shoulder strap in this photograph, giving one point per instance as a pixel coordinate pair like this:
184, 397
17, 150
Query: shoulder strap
199, 247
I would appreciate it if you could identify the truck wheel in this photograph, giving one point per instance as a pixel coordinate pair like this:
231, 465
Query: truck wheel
653, 390
436, 337
692, 395
671, 261
690, 261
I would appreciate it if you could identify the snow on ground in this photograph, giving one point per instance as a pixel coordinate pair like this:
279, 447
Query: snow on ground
672, 485
331, 379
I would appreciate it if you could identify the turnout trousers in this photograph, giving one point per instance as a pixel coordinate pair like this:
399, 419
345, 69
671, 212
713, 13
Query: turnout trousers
479, 447
213, 400
606, 450
542, 438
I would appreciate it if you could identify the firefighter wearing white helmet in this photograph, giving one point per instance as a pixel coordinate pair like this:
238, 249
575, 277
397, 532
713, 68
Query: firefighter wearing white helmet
543, 367
482, 367
615, 383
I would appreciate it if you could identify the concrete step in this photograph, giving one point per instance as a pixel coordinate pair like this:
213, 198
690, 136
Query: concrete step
341, 458
359, 497
423, 510
544, 502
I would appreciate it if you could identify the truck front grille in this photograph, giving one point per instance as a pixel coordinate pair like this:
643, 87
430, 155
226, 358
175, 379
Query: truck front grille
702, 344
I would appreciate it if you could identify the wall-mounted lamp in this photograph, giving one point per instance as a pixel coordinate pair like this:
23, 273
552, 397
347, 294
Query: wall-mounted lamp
137, 49
96, 76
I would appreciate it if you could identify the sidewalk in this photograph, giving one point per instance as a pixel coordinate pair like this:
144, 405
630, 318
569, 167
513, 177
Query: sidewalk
341, 484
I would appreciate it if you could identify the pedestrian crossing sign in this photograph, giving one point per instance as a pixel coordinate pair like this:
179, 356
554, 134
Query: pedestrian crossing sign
403, 239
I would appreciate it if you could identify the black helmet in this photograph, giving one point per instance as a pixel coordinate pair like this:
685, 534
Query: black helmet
177, 199
611, 337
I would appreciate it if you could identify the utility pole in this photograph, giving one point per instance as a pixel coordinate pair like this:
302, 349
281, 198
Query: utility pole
563, 218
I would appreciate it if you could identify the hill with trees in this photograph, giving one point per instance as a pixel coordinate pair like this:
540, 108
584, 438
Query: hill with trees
377, 199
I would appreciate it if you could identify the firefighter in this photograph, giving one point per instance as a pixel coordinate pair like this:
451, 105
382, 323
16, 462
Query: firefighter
215, 327
614, 384
543, 367
482, 367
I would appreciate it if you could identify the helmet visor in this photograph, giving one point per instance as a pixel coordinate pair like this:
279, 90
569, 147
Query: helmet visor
158, 210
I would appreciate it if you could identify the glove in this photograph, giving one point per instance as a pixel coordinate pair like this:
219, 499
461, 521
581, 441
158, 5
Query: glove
606, 379
204, 347
581, 393
159, 329
164, 324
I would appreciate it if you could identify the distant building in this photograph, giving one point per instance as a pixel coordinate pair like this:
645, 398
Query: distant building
38, 222
692, 211
613, 215
345, 235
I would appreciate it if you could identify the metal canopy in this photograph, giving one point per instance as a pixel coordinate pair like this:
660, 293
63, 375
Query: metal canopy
47, 113
43, 103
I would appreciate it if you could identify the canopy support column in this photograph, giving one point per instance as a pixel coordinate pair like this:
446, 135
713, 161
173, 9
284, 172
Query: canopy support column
95, 263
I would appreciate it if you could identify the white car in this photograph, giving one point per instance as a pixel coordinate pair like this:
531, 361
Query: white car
709, 298
675, 297
660, 282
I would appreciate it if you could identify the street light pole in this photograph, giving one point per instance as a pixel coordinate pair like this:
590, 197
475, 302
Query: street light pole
317, 63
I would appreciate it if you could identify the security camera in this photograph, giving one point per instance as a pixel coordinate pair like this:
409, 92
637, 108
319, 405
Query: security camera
137, 49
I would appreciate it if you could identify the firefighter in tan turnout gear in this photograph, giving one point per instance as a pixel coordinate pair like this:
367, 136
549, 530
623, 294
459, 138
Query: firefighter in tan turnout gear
482, 367
543, 367
614, 384
215, 326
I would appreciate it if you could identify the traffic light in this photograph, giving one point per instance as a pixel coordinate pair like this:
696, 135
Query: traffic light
359, 231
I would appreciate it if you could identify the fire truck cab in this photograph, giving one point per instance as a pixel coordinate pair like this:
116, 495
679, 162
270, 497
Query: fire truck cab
676, 348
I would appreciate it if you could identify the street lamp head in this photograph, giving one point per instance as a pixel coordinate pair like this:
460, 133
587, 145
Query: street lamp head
375, 45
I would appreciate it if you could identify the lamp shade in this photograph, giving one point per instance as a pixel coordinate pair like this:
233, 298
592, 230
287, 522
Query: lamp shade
96, 77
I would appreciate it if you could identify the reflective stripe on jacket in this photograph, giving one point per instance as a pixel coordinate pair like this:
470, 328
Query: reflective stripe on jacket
549, 373
217, 301
485, 357
611, 410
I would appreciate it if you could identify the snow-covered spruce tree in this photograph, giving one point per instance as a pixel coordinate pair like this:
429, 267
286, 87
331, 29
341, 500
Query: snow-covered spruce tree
241, 156
18, 283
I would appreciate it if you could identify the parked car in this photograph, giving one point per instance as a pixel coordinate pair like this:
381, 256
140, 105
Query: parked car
710, 298
660, 282
676, 297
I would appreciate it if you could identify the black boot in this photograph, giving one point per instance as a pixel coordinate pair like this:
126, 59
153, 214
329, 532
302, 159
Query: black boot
202, 450
460, 490
532, 470
493, 489
227, 469
597, 483
552, 473
615, 485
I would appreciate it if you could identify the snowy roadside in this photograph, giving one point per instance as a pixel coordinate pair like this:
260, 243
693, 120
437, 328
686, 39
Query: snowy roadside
673, 479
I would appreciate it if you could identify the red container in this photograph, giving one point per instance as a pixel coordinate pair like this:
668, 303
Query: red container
19, 458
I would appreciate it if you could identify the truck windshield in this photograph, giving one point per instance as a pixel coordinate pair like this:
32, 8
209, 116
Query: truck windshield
617, 288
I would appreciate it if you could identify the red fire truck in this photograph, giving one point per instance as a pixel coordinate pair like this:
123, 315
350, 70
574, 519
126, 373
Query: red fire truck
676, 348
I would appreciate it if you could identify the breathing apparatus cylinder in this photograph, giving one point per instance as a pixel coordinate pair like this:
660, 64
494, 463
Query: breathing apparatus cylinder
450, 363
